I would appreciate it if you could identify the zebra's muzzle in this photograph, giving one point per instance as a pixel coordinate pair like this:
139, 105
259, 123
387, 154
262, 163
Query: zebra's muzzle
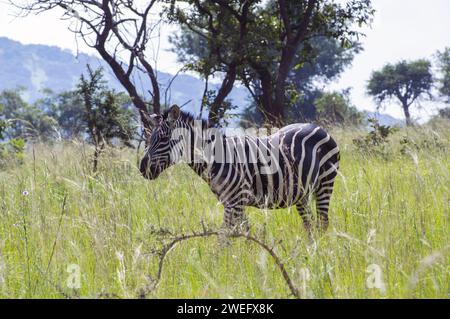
148, 170
151, 173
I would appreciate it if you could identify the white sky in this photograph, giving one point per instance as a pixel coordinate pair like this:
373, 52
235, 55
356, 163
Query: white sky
402, 29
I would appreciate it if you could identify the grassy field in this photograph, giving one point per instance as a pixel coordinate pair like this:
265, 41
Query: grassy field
388, 236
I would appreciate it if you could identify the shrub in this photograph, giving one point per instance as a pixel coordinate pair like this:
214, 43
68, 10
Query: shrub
376, 140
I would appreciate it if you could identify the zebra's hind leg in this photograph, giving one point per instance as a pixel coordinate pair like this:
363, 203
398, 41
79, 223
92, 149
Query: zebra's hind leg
304, 211
235, 219
234, 222
323, 196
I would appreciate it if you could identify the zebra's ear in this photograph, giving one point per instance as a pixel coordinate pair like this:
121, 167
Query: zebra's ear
174, 114
155, 119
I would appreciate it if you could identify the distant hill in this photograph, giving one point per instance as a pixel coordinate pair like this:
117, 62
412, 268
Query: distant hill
385, 119
37, 67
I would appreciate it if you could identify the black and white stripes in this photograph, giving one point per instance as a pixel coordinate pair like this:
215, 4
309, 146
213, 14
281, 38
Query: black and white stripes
290, 167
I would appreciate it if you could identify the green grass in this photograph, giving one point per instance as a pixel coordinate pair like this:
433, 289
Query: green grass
390, 210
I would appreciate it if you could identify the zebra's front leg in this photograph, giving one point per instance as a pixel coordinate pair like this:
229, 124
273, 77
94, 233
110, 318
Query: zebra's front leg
235, 220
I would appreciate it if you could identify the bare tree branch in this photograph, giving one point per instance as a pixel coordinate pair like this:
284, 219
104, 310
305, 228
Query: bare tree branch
115, 28
209, 233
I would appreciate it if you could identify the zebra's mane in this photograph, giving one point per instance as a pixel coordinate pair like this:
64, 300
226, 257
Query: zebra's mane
189, 118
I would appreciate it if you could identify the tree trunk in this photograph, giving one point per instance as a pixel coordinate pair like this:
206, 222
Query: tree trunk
204, 96
407, 115
293, 41
278, 105
225, 89
97, 153
155, 85
269, 112
96, 156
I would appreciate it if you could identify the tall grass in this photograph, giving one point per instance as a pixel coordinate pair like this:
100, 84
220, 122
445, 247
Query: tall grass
389, 218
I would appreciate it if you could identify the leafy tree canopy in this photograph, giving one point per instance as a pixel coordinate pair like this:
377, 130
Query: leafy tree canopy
328, 60
407, 82
259, 43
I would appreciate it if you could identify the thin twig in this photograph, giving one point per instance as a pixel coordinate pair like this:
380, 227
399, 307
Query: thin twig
168, 247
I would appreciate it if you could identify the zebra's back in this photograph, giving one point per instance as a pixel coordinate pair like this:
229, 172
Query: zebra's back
301, 152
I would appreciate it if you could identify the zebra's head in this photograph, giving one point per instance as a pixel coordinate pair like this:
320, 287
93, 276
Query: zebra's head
160, 143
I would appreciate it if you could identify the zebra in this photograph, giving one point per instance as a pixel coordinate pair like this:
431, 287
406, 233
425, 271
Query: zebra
287, 168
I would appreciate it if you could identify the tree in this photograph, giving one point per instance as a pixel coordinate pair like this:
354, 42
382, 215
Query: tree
257, 43
246, 40
443, 59
335, 108
408, 82
119, 31
327, 61
13, 106
67, 109
221, 28
24, 120
106, 118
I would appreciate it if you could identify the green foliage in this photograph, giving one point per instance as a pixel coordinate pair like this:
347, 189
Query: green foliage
376, 141
325, 62
192, 50
67, 115
12, 150
3, 125
430, 141
25, 121
92, 110
259, 44
443, 59
67, 109
408, 82
104, 113
389, 143
305, 84
105, 117
335, 108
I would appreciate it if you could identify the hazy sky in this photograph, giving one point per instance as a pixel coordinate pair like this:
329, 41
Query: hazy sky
402, 29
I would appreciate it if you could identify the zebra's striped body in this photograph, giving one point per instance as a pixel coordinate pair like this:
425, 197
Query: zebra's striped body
303, 159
